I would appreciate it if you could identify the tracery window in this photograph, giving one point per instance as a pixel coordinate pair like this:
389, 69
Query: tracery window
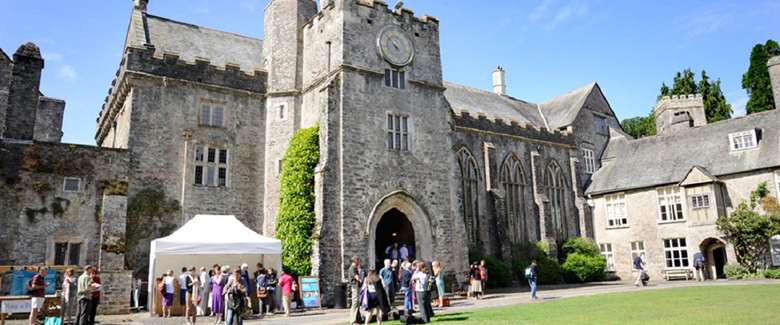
469, 189
513, 181
556, 193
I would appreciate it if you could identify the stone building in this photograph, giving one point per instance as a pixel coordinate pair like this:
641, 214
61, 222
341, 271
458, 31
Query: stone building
659, 196
206, 116
62, 204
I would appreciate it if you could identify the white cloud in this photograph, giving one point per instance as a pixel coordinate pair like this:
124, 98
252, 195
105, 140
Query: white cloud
551, 14
68, 73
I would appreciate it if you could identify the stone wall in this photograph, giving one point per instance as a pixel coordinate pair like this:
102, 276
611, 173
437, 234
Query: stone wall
668, 106
115, 298
774, 74
23, 93
6, 66
48, 119
38, 212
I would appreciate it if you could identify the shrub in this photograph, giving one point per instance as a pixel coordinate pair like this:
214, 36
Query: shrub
582, 246
772, 274
735, 272
749, 228
549, 270
499, 272
583, 268
296, 218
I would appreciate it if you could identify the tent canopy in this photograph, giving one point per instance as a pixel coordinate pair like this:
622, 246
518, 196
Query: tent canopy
209, 234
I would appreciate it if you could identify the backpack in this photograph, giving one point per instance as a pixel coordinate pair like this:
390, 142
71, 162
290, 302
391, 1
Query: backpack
529, 272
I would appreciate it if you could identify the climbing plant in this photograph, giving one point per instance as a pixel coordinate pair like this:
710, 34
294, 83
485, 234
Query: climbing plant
296, 219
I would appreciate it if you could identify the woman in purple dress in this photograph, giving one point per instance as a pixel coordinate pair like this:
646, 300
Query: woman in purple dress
217, 300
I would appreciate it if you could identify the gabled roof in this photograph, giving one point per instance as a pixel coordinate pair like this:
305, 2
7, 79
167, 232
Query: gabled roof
192, 42
668, 159
562, 110
698, 175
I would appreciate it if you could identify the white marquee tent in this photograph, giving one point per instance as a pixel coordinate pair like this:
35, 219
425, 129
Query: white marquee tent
207, 240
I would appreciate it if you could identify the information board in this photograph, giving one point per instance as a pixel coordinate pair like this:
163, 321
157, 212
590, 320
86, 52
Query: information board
310, 291
15, 306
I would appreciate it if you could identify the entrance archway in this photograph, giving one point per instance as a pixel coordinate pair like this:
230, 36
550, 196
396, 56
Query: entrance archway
394, 232
714, 251
399, 211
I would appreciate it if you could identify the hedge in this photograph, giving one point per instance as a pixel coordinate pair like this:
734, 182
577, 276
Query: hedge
583, 268
296, 218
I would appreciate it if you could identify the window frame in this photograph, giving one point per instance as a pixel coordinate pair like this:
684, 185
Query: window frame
600, 124
636, 251
704, 201
681, 248
208, 111
68, 252
774, 250
589, 157
397, 132
210, 171
677, 213
65, 184
606, 251
612, 202
741, 135
395, 78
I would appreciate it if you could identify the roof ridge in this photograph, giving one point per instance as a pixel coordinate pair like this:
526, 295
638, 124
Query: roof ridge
718, 123
202, 27
488, 92
589, 86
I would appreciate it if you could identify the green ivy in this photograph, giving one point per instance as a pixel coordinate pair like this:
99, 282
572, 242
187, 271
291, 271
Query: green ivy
296, 218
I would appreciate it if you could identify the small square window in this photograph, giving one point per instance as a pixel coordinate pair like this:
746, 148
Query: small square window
743, 140
72, 184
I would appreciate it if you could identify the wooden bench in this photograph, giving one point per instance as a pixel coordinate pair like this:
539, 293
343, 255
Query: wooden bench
671, 274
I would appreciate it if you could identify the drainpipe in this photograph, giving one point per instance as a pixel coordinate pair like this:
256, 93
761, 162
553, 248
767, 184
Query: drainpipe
187, 137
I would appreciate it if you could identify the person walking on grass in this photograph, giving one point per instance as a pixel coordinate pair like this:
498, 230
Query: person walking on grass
37, 289
698, 264
421, 280
532, 273
373, 298
639, 266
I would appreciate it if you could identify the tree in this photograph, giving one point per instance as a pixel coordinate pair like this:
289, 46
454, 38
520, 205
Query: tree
296, 219
750, 230
716, 108
756, 80
684, 83
639, 127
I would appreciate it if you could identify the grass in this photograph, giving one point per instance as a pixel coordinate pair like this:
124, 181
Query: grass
749, 304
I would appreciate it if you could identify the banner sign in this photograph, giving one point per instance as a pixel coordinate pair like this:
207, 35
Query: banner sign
15, 306
310, 291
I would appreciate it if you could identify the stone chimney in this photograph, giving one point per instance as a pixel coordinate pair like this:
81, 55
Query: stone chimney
674, 113
499, 81
774, 75
23, 93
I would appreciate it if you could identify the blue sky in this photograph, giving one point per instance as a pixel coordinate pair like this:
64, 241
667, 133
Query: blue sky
548, 47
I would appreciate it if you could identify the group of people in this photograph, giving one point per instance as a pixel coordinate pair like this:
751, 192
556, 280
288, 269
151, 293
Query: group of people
373, 292
80, 295
478, 275
227, 296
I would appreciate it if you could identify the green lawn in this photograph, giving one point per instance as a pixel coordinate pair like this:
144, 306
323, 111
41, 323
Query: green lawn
754, 304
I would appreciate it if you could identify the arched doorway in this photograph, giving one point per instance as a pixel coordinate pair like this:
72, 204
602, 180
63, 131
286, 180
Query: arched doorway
394, 233
419, 226
714, 251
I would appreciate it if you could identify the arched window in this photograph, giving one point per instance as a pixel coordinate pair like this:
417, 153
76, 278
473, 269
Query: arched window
513, 181
469, 189
556, 192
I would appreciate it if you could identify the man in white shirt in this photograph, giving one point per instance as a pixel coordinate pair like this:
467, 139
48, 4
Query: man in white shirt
184, 279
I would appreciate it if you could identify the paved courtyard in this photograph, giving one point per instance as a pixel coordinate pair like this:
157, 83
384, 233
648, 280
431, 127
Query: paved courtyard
498, 299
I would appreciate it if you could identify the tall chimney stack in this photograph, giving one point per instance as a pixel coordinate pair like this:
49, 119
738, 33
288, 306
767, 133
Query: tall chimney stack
774, 76
499, 81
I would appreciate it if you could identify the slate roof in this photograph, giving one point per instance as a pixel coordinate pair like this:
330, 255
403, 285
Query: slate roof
667, 159
562, 110
190, 41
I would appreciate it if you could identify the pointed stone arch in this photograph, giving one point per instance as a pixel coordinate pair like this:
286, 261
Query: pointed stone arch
556, 189
514, 183
469, 177
404, 203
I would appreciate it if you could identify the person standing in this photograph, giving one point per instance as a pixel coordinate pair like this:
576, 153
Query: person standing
84, 294
438, 274
286, 284
421, 282
97, 288
374, 295
193, 296
475, 281
698, 263
262, 289
69, 289
204, 280
217, 302
356, 277
639, 267
184, 279
271, 282
167, 299
531, 274
483, 276
37, 289
406, 287
387, 276
235, 299
136, 286
403, 252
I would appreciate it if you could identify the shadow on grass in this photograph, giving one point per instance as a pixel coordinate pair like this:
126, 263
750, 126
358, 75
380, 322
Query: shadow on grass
455, 317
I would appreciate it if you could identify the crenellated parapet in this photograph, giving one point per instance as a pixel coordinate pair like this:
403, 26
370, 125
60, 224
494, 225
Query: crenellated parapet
500, 126
679, 112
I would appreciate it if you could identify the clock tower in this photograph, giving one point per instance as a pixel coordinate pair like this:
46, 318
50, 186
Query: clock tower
372, 81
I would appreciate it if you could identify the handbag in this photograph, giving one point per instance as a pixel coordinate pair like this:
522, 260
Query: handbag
262, 293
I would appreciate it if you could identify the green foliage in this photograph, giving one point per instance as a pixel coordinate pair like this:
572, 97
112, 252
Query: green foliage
735, 271
146, 210
756, 80
580, 245
584, 268
296, 218
548, 268
750, 231
772, 274
639, 127
715, 105
499, 272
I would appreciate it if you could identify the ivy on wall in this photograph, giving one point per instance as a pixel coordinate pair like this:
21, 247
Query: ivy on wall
296, 218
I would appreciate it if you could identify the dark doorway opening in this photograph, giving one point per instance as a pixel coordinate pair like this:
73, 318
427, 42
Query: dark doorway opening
393, 228
719, 257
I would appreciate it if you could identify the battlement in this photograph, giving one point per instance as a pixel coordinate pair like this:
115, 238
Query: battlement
692, 101
381, 6
482, 122
773, 61
679, 111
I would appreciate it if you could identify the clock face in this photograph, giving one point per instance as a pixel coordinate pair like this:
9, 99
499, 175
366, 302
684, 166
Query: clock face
395, 46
